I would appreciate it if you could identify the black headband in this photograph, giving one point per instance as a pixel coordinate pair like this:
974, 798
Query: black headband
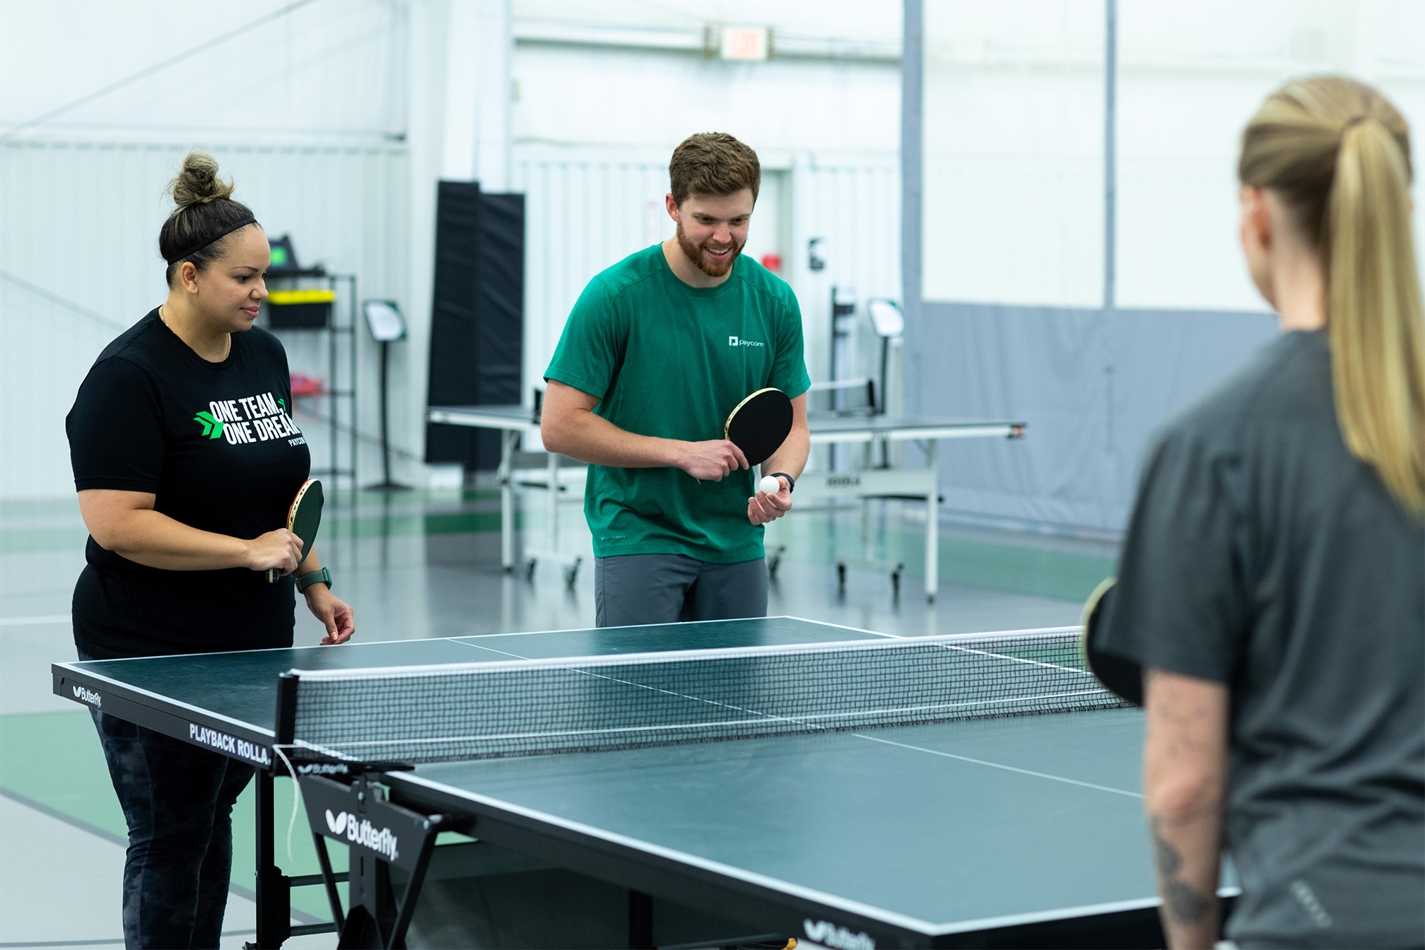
189, 252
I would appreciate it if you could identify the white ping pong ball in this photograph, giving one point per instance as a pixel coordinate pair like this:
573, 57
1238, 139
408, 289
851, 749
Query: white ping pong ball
769, 485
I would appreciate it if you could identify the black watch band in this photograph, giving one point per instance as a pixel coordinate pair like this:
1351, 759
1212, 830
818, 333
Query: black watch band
791, 482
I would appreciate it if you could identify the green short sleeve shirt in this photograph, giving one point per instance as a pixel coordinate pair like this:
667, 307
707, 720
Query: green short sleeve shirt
668, 360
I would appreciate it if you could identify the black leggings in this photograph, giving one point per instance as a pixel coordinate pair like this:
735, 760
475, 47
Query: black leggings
178, 802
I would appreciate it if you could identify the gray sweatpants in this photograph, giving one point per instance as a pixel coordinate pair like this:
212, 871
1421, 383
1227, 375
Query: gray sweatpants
664, 588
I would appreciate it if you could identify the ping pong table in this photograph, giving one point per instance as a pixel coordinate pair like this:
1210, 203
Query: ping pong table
871, 429
1019, 831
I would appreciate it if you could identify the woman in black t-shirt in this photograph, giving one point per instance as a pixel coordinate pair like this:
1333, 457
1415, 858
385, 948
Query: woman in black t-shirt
1272, 584
186, 458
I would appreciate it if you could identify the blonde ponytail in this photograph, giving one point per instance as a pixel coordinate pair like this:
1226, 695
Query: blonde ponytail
1338, 153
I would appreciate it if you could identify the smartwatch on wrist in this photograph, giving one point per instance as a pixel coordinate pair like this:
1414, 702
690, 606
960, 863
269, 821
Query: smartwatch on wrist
323, 576
791, 482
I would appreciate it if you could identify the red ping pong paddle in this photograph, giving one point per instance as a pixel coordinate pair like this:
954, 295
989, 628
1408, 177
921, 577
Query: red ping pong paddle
1121, 677
759, 424
303, 519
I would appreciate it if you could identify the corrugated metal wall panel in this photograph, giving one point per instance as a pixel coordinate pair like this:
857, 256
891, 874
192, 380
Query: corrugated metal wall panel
81, 226
588, 209
855, 208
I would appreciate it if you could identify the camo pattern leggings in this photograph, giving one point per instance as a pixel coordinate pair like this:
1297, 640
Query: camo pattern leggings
178, 802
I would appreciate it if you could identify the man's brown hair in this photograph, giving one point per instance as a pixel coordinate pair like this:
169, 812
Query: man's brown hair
713, 163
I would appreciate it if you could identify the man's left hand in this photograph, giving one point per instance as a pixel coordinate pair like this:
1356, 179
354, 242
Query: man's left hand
335, 615
763, 508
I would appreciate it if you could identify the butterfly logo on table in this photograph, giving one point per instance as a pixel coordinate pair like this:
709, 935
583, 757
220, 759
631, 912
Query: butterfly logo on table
360, 831
826, 934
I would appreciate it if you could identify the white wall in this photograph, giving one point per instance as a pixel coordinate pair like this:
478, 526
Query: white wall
305, 110
79, 263
1013, 152
331, 69
621, 98
600, 105
588, 208
1013, 138
1192, 73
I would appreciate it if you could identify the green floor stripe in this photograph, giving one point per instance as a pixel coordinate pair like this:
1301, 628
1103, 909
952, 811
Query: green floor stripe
1021, 570
1008, 568
334, 527
387, 526
55, 760
24, 540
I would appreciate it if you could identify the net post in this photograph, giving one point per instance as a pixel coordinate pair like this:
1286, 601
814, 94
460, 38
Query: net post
286, 708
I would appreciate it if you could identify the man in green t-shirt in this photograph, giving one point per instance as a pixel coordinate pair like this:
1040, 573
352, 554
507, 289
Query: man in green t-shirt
657, 351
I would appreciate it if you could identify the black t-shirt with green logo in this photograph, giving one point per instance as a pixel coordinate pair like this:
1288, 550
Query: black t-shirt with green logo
216, 444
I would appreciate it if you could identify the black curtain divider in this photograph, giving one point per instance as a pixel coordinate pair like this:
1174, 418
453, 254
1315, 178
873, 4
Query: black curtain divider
477, 316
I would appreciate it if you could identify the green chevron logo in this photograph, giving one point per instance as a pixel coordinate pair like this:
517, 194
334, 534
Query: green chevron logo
282, 404
212, 425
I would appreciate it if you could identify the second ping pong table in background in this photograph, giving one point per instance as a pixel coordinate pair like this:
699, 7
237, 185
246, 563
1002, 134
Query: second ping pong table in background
876, 431
1019, 831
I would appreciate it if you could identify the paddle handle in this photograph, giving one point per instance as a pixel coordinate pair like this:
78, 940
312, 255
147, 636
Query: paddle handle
272, 575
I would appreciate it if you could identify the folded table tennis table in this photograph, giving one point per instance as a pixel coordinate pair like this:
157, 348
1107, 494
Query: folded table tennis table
1016, 831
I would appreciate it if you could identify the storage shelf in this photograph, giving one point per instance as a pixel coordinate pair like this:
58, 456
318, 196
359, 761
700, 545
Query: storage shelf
345, 393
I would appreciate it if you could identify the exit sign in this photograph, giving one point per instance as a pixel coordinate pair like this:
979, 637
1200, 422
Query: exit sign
745, 42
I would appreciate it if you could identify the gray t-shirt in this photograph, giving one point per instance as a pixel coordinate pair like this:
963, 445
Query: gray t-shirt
1263, 555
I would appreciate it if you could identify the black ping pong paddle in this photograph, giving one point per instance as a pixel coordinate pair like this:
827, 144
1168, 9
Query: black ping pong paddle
303, 519
759, 424
1121, 677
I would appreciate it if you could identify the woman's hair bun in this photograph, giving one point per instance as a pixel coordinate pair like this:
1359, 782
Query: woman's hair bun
206, 214
198, 183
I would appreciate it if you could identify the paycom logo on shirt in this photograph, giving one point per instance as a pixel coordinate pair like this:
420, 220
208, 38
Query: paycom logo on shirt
739, 341
259, 418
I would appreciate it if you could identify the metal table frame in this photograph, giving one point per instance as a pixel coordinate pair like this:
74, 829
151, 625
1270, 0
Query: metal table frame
874, 430
514, 423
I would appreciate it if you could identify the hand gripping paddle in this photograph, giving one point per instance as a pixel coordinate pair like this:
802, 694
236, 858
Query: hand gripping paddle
759, 424
1121, 677
303, 519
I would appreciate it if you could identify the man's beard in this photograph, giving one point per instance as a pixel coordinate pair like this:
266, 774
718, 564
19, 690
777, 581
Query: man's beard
694, 253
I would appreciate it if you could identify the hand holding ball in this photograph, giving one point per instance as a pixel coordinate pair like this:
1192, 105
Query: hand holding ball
769, 485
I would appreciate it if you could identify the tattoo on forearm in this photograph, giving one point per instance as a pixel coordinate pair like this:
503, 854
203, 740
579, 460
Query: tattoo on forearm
1185, 904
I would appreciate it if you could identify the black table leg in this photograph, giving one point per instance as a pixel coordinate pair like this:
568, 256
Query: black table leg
274, 895
640, 920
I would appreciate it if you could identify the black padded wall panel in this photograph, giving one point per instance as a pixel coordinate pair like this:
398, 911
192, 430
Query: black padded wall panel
477, 316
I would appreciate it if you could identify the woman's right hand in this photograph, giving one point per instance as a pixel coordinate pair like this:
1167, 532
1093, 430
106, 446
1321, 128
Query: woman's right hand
280, 550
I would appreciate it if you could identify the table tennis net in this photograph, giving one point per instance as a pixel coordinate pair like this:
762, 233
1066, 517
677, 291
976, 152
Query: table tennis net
488, 710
